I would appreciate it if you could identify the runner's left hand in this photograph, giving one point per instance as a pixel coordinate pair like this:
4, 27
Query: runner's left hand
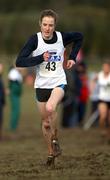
70, 64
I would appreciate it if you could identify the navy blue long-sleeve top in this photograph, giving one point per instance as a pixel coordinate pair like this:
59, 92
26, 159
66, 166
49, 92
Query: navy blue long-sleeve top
25, 59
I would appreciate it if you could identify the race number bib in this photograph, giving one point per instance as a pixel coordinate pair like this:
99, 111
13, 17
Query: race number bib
50, 69
53, 67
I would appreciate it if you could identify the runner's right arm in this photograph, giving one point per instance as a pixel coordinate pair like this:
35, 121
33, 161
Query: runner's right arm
25, 58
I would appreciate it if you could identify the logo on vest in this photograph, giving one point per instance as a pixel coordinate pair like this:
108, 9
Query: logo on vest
54, 57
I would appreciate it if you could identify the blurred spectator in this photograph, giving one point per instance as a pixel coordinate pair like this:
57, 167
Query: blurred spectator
71, 98
94, 91
30, 76
69, 103
94, 95
81, 70
15, 91
76, 97
2, 99
104, 99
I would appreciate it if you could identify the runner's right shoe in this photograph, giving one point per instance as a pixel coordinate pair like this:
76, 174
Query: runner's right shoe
50, 161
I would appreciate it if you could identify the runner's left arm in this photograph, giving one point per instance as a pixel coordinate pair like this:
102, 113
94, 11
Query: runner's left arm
76, 38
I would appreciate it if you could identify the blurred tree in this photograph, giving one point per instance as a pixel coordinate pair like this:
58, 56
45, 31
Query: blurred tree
19, 19
9, 6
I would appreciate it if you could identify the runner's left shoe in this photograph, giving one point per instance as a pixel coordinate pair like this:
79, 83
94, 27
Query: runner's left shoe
56, 148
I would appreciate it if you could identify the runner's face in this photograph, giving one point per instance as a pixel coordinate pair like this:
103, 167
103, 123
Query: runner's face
106, 68
47, 27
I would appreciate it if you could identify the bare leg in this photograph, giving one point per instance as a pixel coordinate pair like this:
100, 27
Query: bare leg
102, 107
51, 106
46, 129
49, 116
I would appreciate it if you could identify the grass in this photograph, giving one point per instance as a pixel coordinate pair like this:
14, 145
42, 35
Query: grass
86, 155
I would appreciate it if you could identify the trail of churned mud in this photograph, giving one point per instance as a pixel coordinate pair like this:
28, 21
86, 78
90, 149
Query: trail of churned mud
86, 155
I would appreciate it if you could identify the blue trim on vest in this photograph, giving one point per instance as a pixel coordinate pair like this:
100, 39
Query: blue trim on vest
62, 86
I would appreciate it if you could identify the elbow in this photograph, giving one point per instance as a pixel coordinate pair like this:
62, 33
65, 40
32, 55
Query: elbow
81, 36
81, 39
17, 63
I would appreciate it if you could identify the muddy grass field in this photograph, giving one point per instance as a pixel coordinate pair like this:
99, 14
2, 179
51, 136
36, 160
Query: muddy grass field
85, 156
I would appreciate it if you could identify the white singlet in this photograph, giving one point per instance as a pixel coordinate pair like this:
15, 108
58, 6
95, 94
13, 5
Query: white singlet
104, 87
50, 74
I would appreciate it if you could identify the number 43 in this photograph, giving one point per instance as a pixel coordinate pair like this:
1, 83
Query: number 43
51, 66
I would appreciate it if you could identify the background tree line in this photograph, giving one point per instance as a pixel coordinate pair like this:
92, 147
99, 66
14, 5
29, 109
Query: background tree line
19, 20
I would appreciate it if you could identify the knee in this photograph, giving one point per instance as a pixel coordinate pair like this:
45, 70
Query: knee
49, 108
102, 116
